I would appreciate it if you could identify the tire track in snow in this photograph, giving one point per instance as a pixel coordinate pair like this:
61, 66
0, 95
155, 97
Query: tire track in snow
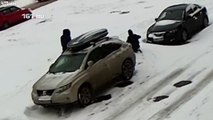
172, 74
171, 77
152, 94
162, 83
155, 88
184, 99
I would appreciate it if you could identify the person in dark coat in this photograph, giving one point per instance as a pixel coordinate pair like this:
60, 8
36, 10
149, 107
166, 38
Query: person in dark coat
133, 39
65, 39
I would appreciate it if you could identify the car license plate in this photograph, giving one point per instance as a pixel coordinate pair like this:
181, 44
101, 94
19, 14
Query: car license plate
44, 98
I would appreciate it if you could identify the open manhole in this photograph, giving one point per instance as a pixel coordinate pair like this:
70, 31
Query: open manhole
182, 83
159, 98
123, 83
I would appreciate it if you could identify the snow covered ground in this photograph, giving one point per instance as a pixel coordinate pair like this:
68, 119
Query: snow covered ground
28, 49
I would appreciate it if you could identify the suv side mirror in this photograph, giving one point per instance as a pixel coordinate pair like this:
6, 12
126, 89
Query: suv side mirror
156, 19
90, 63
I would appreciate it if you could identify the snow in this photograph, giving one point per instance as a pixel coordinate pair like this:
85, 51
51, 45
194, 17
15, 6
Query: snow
28, 49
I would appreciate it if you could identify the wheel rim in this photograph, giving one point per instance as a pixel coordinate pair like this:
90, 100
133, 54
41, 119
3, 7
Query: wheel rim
85, 96
127, 69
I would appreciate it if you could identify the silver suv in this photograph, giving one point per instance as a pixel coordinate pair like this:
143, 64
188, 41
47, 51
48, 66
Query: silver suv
77, 75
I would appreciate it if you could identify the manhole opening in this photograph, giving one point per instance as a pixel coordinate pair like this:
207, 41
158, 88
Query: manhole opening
159, 98
182, 83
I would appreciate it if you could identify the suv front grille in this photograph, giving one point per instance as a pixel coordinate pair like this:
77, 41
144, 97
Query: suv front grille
45, 92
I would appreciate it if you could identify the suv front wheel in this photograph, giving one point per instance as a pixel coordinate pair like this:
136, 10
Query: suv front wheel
85, 95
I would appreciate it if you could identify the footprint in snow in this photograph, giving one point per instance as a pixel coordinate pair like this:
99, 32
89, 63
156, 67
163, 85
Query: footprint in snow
49, 60
108, 103
43, 21
147, 7
91, 114
141, 2
12, 40
104, 109
124, 12
120, 12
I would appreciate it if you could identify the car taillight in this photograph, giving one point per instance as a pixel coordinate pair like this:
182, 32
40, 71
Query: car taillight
29, 9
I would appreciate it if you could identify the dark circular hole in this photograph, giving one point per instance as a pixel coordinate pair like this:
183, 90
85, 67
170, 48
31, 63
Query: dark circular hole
159, 98
182, 83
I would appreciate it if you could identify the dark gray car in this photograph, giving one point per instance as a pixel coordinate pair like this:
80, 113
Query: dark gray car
177, 23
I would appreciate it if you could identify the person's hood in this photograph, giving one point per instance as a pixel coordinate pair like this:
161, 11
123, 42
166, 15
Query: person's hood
164, 25
52, 81
66, 32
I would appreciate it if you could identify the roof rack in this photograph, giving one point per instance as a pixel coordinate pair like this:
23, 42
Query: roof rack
87, 39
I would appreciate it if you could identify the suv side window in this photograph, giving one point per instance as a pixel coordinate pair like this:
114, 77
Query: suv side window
109, 48
101, 52
95, 55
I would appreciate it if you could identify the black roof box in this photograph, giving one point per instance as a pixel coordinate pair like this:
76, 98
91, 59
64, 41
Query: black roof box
83, 41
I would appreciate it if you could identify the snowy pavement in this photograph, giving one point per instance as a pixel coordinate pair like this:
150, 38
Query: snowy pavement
170, 82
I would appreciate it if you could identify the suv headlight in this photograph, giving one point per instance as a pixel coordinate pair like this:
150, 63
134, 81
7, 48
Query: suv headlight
63, 88
150, 35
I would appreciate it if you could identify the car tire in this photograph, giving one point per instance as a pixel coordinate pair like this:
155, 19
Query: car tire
85, 96
127, 69
5, 25
184, 36
205, 22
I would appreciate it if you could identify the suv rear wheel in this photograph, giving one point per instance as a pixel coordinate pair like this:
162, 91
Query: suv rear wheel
127, 69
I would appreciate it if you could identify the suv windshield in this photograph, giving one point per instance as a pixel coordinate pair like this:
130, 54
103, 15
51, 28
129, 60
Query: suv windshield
171, 15
67, 63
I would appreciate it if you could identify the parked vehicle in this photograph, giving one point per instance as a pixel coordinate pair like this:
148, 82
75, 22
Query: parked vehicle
177, 23
11, 15
84, 69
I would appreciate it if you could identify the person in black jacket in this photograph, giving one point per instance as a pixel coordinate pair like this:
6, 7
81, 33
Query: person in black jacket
65, 39
133, 39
